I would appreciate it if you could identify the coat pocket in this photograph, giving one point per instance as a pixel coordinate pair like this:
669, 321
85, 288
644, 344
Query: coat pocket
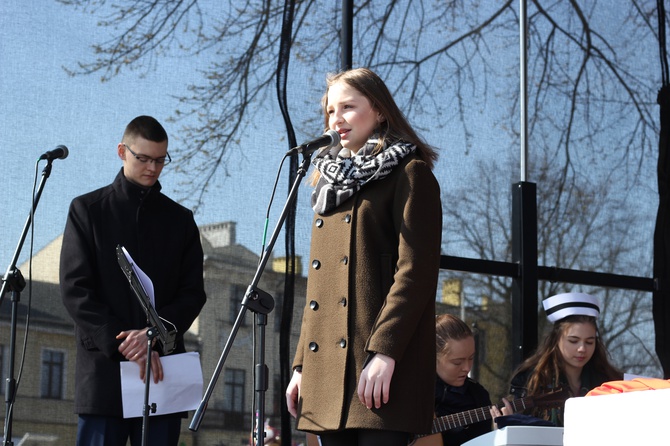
87, 343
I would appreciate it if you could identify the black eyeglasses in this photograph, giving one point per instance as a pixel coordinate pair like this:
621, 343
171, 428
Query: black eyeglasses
147, 159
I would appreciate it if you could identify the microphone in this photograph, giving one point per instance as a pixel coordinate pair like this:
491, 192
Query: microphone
60, 152
329, 139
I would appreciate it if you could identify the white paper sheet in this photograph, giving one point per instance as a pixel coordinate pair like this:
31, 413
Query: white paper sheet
180, 390
145, 281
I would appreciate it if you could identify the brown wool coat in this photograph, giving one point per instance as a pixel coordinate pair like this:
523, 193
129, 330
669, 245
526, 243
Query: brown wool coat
372, 281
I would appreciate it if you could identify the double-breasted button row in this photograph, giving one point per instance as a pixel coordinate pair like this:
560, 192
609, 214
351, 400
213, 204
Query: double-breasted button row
316, 264
313, 346
319, 221
314, 305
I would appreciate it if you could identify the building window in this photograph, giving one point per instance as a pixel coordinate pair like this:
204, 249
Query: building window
233, 398
279, 395
237, 293
233, 390
3, 370
279, 306
53, 367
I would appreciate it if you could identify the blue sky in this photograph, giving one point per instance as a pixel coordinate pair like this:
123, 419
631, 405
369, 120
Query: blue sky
42, 107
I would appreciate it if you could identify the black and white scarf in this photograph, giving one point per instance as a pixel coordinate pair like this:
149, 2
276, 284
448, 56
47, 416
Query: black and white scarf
344, 173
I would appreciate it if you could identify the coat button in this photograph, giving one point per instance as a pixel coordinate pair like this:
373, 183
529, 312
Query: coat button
345, 260
314, 305
343, 343
318, 222
343, 301
316, 264
347, 218
313, 346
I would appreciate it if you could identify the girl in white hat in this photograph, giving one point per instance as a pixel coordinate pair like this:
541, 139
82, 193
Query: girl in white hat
572, 356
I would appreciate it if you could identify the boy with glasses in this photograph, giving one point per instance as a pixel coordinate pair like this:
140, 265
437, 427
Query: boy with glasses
110, 324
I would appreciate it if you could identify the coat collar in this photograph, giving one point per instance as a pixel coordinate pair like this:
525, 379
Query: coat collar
442, 389
133, 191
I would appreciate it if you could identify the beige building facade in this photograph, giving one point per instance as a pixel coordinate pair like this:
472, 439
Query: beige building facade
43, 412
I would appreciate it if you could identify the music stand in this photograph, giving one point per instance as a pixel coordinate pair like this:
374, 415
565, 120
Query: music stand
166, 339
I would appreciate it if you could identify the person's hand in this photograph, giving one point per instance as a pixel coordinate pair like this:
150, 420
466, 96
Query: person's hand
293, 393
134, 348
375, 382
506, 410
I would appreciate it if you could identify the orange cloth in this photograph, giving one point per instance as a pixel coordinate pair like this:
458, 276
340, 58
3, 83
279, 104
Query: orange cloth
633, 385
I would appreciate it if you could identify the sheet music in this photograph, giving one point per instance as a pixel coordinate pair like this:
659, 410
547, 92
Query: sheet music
145, 281
180, 390
140, 284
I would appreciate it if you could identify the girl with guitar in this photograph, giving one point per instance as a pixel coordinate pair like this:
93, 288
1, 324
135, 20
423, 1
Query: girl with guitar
455, 392
462, 406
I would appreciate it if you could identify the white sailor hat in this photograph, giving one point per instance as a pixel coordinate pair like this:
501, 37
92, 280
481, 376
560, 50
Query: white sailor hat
570, 304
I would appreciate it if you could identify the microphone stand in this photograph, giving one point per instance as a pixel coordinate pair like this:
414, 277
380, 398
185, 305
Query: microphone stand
14, 281
261, 303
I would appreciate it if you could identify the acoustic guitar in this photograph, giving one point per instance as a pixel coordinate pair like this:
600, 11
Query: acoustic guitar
442, 424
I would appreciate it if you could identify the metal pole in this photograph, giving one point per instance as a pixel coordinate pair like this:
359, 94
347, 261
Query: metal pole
523, 97
346, 59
